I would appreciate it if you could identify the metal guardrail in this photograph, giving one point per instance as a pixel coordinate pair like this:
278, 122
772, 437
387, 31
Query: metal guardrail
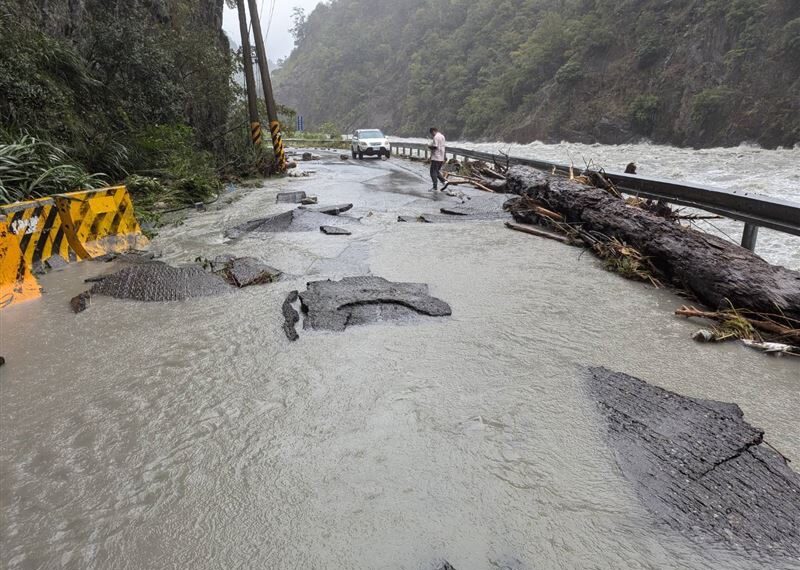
755, 211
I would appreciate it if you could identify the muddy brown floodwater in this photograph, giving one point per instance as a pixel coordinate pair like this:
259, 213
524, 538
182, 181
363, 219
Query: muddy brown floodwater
194, 435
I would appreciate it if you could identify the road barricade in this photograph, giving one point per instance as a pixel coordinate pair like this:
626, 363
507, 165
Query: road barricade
100, 221
53, 231
38, 228
17, 283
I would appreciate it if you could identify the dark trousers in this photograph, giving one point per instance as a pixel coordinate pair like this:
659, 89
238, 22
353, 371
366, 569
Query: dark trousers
436, 172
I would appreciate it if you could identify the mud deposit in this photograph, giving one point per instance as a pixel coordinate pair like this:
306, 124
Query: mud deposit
699, 467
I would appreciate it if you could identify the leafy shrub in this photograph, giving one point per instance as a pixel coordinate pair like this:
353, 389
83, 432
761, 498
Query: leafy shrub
570, 72
648, 52
710, 104
30, 168
643, 113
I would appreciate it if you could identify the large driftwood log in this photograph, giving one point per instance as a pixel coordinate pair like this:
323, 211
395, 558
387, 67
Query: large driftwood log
717, 272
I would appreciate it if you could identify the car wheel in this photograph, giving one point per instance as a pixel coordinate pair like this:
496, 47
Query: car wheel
353, 152
388, 154
360, 155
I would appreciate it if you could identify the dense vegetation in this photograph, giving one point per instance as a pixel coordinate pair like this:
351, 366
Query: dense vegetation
109, 90
688, 72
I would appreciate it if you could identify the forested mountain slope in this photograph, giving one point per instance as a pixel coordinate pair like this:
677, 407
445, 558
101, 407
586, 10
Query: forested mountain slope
686, 72
117, 86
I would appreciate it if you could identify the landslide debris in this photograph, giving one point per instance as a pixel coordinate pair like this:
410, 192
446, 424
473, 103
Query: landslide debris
699, 467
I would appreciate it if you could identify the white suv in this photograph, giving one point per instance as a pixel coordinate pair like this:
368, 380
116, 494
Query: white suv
371, 142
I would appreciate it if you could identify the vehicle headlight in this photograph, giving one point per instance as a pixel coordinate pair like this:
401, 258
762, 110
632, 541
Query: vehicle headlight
362, 143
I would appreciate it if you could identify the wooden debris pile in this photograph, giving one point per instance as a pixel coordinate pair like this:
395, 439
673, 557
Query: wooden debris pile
479, 174
749, 298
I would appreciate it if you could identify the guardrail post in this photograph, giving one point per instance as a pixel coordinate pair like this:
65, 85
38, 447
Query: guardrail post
749, 236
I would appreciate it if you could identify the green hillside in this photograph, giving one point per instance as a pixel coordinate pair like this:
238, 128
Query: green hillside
686, 72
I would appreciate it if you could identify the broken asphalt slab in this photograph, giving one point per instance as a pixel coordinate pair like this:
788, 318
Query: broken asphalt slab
247, 271
335, 305
331, 210
299, 220
156, 281
290, 197
334, 231
699, 467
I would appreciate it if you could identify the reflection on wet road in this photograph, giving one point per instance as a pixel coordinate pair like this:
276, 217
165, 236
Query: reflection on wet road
194, 435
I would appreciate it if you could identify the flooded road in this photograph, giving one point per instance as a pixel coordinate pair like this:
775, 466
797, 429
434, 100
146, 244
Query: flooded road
193, 434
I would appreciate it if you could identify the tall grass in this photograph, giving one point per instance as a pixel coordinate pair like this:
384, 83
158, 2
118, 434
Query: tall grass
30, 168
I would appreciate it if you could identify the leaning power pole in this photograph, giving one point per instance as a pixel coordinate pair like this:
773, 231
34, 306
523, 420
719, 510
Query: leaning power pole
249, 78
272, 109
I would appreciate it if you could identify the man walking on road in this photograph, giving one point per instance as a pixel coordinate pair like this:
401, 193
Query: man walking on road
437, 160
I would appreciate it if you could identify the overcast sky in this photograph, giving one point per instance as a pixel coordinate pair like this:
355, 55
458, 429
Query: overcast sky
279, 40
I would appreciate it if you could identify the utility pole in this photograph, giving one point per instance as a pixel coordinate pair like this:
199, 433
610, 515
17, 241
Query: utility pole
272, 109
249, 78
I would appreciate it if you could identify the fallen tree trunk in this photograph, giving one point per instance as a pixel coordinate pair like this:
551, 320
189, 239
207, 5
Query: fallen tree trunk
719, 273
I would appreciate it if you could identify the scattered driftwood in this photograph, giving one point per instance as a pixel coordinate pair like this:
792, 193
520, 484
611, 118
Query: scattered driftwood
700, 468
718, 273
745, 325
532, 230
477, 183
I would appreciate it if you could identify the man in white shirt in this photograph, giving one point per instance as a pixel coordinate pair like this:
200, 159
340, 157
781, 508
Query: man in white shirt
437, 159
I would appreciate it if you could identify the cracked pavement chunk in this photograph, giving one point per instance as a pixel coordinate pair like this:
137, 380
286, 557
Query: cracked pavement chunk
334, 305
699, 467
292, 221
156, 281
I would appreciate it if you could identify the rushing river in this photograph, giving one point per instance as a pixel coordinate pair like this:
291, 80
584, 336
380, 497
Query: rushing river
771, 173
194, 435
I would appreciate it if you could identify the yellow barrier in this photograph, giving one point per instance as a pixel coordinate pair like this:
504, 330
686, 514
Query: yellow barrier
74, 226
38, 228
17, 283
100, 221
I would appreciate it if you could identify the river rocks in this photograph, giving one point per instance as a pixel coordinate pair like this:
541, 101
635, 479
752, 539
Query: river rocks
333, 210
334, 305
334, 231
290, 197
80, 303
157, 281
699, 467
309, 200
247, 271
